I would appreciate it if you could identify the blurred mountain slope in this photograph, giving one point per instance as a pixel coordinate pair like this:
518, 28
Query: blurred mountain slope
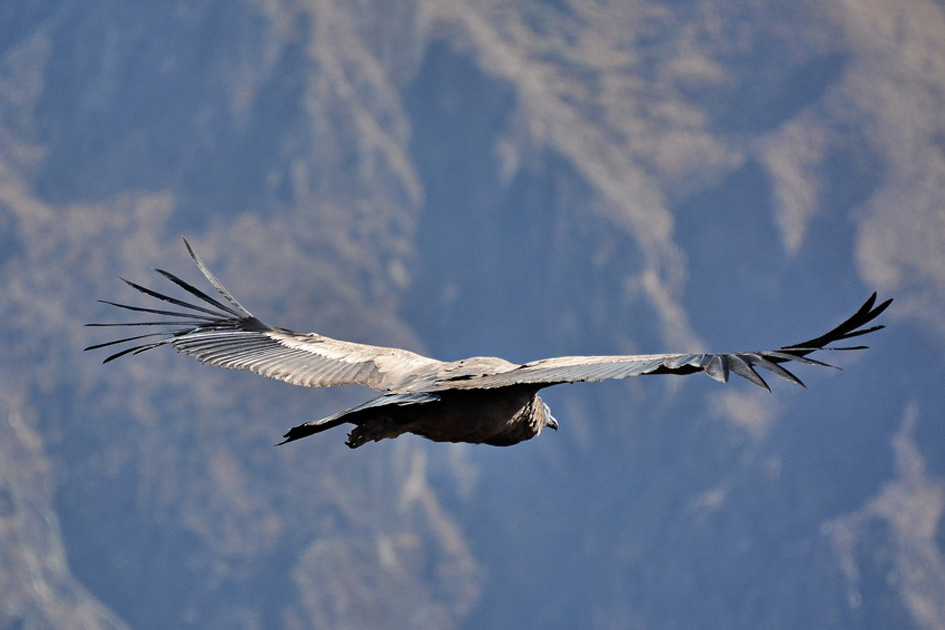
459, 178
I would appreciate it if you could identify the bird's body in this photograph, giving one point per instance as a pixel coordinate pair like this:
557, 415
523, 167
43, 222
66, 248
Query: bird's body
498, 417
481, 400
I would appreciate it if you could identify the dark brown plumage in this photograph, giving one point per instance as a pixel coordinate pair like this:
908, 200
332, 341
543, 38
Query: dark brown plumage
484, 400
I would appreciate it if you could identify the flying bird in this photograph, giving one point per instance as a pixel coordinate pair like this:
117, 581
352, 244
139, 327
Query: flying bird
480, 400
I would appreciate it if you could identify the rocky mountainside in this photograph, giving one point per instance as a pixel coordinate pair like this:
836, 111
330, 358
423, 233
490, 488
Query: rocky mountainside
476, 178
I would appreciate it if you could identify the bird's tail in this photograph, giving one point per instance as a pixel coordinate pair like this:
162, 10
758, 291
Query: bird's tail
387, 405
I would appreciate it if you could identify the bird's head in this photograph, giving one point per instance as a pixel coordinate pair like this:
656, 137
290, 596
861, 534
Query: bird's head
547, 420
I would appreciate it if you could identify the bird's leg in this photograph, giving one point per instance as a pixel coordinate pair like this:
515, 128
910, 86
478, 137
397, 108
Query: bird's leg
374, 430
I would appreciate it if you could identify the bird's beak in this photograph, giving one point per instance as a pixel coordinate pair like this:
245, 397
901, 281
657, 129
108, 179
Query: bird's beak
551, 423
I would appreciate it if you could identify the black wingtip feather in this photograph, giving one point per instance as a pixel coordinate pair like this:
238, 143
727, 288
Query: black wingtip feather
193, 317
125, 340
213, 280
853, 326
155, 311
132, 350
167, 298
743, 364
197, 292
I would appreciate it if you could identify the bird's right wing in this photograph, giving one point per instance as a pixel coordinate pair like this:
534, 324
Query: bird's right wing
718, 365
224, 334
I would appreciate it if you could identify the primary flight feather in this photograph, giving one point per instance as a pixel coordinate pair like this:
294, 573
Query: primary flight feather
479, 400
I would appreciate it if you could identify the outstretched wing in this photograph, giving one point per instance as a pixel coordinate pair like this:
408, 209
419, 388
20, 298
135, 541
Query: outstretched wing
224, 334
717, 365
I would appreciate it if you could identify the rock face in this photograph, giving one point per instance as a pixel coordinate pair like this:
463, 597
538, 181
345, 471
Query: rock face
476, 178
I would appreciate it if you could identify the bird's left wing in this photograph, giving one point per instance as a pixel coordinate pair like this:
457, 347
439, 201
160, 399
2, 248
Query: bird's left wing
717, 365
224, 334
